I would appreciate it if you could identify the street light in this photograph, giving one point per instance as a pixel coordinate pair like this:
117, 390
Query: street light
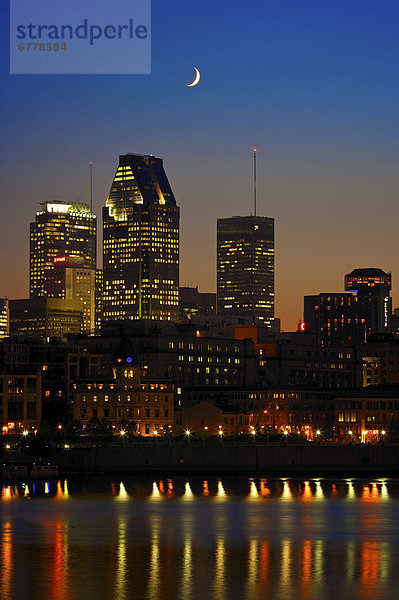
122, 432
25, 433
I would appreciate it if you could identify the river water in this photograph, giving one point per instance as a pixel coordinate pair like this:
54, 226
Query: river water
93, 538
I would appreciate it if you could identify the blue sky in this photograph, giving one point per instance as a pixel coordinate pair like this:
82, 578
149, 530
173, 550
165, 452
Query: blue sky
313, 84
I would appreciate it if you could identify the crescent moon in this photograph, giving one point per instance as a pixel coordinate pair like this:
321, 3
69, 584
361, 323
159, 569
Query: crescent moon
196, 80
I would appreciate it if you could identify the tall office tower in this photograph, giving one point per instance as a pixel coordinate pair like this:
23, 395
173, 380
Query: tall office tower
373, 286
4, 318
60, 230
245, 268
141, 243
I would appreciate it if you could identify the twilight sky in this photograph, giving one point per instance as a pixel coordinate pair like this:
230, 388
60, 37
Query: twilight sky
313, 84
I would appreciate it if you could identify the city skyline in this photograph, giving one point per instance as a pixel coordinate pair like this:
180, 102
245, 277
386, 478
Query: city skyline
319, 103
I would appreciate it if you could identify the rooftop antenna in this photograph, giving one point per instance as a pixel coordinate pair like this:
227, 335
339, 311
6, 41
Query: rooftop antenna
91, 187
255, 182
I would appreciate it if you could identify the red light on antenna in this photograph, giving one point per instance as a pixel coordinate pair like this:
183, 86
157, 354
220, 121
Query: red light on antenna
254, 149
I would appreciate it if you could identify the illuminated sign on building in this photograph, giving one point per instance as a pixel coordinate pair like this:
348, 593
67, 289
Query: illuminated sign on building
58, 208
386, 304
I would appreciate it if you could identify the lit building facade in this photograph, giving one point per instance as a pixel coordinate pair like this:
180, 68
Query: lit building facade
60, 231
141, 243
245, 268
336, 319
72, 281
49, 317
123, 400
374, 287
4, 318
20, 402
98, 300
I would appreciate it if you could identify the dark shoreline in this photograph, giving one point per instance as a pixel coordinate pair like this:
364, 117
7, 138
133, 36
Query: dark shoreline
283, 461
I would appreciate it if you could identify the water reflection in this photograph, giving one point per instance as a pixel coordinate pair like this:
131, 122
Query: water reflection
121, 560
217, 538
255, 490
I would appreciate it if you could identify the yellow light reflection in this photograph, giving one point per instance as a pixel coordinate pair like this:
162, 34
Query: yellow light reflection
187, 569
121, 560
385, 561
47, 488
221, 494
6, 547
154, 579
122, 495
253, 567
318, 494
285, 573
156, 494
66, 491
351, 491
350, 560
384, 491
253, 492
220, 570
318, 562
188, 494
286, 495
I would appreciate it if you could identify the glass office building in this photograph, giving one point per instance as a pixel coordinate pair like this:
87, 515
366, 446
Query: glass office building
60, 231
245, 268
140, 243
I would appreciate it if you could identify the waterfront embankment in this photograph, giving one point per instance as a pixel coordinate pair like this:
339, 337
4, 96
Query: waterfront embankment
316, 460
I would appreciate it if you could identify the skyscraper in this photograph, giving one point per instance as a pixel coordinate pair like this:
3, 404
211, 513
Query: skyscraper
60, 231
245, 267
141, 243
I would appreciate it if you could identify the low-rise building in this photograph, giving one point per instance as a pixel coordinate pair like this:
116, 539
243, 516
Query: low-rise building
124, 400
208, 418
20, 402
367, 414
